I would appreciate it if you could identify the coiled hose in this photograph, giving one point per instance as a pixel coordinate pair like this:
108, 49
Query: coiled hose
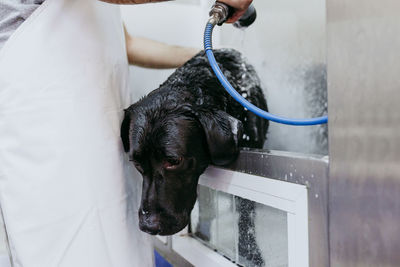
259, 112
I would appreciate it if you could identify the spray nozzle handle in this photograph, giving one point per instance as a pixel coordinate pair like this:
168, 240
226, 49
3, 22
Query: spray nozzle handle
247, 18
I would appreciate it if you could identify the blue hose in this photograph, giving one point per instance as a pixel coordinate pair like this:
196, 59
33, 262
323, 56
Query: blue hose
259, 112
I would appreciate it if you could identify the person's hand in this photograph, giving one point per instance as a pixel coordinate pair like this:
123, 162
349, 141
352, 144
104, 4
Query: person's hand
240, 7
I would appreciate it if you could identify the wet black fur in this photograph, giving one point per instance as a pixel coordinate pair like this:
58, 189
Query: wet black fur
189, 117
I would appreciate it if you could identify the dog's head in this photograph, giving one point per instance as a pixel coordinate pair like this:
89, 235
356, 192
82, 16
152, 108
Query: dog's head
171, 149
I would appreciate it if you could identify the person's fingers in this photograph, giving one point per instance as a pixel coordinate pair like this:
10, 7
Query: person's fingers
240, 7
235, 16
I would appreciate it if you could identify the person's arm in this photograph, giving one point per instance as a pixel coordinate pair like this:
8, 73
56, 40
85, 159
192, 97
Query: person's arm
240, 6
148, 53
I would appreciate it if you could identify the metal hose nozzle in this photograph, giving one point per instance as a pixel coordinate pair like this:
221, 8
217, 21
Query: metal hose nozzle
220, 12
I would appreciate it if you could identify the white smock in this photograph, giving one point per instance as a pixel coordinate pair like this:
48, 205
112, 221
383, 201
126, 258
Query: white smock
66, 190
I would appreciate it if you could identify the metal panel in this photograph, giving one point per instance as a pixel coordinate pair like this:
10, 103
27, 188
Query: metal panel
364, 132
309, 170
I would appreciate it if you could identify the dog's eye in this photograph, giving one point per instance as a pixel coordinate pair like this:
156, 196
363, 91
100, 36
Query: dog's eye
172, 163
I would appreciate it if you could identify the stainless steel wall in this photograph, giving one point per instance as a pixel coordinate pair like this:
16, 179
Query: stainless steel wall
364, 132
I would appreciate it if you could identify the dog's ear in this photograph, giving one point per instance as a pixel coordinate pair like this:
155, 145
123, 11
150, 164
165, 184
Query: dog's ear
125, 130
222, 132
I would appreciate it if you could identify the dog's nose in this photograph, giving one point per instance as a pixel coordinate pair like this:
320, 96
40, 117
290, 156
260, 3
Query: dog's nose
149, 223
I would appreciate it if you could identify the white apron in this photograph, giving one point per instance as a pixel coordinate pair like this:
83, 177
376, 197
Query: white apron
63, 187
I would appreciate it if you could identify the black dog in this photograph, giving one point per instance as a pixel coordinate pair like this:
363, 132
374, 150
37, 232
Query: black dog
189, 122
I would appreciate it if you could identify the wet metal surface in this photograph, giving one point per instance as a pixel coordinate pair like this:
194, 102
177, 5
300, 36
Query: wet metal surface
364, 132
308, 170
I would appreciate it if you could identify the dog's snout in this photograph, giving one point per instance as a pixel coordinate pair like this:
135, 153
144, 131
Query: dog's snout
150, 222
149, 194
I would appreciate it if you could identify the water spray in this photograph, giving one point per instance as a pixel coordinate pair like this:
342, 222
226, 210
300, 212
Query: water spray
219, 13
